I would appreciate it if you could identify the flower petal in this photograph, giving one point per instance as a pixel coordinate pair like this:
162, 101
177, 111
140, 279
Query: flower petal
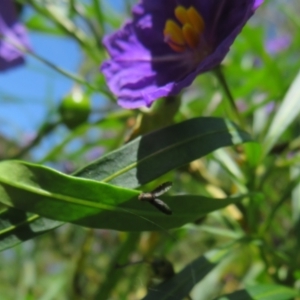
143, 67
14, 31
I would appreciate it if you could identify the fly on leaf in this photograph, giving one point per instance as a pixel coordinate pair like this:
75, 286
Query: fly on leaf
151, 197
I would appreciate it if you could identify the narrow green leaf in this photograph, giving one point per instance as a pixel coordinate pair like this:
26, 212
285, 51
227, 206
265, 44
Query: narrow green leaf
286, 114
152, 155
54, 195
253, 153
262, 292
179, 286
40, 24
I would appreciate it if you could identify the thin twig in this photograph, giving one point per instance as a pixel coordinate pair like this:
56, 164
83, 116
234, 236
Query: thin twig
45, 130
222, 80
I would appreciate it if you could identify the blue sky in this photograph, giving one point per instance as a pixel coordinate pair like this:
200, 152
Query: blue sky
24, 90
27, 92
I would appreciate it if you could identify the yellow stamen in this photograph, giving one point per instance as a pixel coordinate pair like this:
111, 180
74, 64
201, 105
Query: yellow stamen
173, 32
190, 35
181, 15
195, 19
185, 31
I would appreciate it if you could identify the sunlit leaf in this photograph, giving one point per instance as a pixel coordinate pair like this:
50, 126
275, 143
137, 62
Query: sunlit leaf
261, 292
286, 114
94, 204
152, 155
137, 163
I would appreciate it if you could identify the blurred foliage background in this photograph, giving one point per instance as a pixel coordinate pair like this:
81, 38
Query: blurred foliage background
84, 123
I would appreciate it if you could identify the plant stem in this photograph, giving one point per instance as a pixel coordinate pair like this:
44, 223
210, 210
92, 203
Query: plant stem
113, 274
284, 197
98, 13
44, 130
49, 64
222, 80
69, 27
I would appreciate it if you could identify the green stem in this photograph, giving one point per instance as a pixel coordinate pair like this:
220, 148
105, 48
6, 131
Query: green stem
98, 13
222, 80
79, 9
72, 5
252, 207
284, 196
114, 274
45, 130
264, 257
269, 220
70, 28
85, 250
50, 64
60, 70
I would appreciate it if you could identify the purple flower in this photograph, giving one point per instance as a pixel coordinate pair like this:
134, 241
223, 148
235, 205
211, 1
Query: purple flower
168, 43
278, 44
13, 31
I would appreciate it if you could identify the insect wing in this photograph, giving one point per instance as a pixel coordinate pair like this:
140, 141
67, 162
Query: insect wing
152, 197
163, 188
162, 206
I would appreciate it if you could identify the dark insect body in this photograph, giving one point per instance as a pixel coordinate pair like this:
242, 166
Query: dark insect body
151, 197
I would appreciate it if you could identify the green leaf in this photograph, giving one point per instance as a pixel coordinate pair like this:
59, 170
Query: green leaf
54, 195
39, 23
139, 162
253, 153
17, 225
262, 292
152, 155
179, 286
286, 114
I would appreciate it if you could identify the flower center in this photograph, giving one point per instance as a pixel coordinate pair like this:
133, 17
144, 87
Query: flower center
185, 32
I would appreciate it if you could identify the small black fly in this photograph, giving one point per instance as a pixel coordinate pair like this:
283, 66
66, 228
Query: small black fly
151, 197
